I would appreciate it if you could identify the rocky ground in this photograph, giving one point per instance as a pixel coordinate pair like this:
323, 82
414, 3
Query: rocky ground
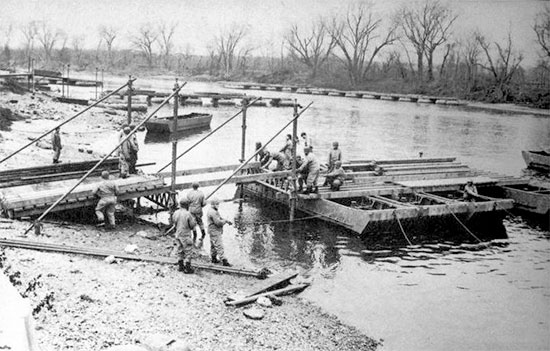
89, 304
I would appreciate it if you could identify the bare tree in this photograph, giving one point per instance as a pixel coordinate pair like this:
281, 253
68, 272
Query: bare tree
502, 65
145, 39
355, 33
426, 28
48, 37
166, 33
227, 45
6, 32
30, 31
312, 48
470, 52
78, 50
542, 30
108, 34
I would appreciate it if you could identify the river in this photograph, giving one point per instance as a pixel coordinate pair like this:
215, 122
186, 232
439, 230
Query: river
495, 299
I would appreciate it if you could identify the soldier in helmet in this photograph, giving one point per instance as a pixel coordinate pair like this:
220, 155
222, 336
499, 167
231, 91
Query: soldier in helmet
184, 223
215, 224
107, 192
196, 203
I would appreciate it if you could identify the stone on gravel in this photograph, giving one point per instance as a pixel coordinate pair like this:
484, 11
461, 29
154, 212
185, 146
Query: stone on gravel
110, 259
264, 301
131, 248
178, 345
156, 342
254, 313
126, 348
275, 301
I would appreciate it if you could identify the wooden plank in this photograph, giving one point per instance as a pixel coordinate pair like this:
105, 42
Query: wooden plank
251, 165
265, 285
389, 202
279, 292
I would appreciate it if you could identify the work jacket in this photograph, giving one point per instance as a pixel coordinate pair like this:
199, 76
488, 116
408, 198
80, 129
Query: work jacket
196, 201
214, 221
185, 223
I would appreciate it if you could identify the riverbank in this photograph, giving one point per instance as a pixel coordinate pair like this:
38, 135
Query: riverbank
97, 305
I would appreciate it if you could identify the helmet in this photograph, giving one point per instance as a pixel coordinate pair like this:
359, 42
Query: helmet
105, 175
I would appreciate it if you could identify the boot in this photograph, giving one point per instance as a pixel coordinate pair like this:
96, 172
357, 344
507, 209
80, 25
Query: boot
215, 259
187, 269
225, 263
181, 268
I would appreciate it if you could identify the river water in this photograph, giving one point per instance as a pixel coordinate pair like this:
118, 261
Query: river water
494, 299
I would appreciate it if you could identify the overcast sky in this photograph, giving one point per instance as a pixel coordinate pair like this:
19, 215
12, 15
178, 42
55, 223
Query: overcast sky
200, 20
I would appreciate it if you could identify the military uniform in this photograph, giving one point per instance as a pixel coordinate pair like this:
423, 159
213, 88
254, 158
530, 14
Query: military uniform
107, 192
215, 224
185, 223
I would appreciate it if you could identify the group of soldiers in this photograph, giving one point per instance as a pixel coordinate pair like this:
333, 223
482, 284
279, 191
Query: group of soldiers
188, 218
308, 166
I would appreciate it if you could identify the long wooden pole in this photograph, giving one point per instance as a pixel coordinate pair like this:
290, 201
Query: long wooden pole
129, 119
206, 136
174, 146
128, 136
63, 123
293, 194
258, 151
68, 69
243, 137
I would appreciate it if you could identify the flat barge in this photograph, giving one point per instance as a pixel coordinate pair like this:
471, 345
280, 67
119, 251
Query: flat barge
414, 190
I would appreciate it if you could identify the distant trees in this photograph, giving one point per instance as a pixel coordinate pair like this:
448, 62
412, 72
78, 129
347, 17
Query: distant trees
48, 37
166, 34
357, 35
310, 47
29, 31
145, 40
542, 30
501, 63
227, 44
108, 34
426, 28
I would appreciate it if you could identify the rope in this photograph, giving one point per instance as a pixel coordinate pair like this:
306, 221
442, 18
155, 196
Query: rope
401, 227
462, 224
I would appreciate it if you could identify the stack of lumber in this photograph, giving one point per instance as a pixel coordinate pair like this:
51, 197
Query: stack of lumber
33, 199
412, 169
33, 175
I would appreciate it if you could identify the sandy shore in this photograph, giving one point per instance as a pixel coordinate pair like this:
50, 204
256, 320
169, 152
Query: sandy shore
98, 305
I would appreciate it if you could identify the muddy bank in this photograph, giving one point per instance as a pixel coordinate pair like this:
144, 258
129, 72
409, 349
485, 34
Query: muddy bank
97, 305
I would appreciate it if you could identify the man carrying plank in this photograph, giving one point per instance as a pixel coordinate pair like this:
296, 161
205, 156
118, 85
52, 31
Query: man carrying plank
107, 192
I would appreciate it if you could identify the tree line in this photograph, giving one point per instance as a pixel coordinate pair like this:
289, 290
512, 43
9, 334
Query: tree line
414, 50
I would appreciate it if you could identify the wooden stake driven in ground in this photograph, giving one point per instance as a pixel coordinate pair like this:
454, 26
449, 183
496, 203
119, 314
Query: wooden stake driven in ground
176, 91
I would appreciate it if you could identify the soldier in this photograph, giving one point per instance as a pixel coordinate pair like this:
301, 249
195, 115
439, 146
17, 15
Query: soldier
56, 145
334, 155
282, 161
310, 171
306, 141
127, 155
215, 229
470, 191
335, 179
107, 192
195, 198
184, 223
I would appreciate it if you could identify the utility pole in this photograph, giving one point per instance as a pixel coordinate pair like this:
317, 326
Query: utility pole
129, 119
243, 140
294, 194
32, 74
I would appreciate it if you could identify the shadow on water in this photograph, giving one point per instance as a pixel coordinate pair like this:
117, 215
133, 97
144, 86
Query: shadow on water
161, 138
